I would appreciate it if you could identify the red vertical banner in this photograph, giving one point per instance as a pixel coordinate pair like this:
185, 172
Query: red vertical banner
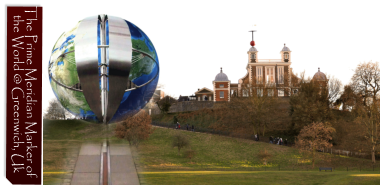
24, 95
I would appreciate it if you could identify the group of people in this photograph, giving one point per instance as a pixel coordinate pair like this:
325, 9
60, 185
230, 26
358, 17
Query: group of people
178, 126
278, 141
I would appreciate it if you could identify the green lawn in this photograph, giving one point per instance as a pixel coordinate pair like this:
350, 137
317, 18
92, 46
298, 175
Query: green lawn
215, 152
218, 159
261, 177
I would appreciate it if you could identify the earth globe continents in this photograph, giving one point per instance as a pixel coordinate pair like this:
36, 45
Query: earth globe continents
103, 69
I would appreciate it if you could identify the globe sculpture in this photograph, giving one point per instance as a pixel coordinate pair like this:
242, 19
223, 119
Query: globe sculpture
103, 69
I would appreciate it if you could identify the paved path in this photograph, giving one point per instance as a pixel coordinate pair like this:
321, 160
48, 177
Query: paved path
123, 170
87, 167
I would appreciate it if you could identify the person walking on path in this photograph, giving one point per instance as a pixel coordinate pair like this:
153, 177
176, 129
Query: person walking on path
286, 142
258, 139
271, 139
255, 137
192, 128
179, 126
187, 126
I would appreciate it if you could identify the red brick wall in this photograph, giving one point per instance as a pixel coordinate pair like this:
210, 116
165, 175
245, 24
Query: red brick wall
219, 83
217, 98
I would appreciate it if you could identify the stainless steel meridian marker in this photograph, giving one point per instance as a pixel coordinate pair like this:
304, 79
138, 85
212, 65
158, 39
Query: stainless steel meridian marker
103, 66
116, 56
86, 57
120, 62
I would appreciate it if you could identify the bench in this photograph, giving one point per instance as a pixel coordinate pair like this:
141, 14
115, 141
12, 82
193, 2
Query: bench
325, 169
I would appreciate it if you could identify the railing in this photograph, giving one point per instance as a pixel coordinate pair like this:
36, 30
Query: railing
264, 139
269, 60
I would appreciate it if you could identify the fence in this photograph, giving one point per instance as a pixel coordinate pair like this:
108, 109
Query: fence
264, 139
220, 133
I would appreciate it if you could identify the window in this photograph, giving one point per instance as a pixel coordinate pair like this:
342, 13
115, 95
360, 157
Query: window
260, 92
199, 98
259, 74
245, 93
281, 93
286, 56
269, 71
280, 74
270, 92
253, 55
221, 85
221, 94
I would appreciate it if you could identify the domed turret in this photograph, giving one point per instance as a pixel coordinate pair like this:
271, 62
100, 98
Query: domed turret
285, 48
252, 49
319, 76
221, 76
285, 54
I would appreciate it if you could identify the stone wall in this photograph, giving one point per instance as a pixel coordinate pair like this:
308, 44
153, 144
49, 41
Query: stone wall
187, 106
184, 106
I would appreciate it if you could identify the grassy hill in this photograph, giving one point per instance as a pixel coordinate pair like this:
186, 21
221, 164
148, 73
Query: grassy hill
218, 159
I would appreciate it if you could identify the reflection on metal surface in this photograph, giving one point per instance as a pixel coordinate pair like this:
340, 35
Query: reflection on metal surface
103, 65
86, 57
120, 62
158, 70
75, 87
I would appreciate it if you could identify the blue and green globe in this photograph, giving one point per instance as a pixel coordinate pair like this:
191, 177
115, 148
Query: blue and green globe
64, 71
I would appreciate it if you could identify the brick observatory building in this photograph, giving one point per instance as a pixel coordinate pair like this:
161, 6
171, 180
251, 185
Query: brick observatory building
274, 73
264, 76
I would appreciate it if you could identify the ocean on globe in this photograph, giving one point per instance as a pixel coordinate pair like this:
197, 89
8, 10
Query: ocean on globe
64, 70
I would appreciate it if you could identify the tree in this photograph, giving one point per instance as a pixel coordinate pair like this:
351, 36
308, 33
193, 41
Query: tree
369, 119
366, 82
55, 110
165, 103
314, 137
135, 128
310, 104
190, 154
347, 99
257, 109
334, 89
180, 141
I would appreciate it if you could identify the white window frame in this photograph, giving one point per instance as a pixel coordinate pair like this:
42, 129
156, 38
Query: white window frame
259, 74
260, 92
280, 74
270, 92
281, 93
267, 76
221, 94
245, 93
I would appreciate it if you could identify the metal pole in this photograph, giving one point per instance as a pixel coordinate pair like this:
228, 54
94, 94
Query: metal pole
103, 69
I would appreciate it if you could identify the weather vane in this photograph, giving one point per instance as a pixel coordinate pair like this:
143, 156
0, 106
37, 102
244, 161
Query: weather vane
252, 42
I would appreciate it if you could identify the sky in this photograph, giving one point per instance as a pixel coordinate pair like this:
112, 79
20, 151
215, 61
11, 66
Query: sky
193, 43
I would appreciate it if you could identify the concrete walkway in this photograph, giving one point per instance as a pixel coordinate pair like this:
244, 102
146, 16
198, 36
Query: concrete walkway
123, 170
87, 167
